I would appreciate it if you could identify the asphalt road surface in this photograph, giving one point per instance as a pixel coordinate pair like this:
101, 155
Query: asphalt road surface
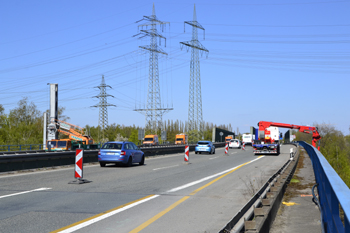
164, 195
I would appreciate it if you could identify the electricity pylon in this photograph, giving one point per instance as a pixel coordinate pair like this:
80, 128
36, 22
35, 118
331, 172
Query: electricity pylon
102, 105
195, 114
153, 111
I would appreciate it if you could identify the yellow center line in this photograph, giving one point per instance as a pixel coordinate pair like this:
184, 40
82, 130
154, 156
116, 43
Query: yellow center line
213, 181
153, 219
99, 215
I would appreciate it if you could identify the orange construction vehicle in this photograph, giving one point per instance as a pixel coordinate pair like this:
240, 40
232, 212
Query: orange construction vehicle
77, 138
228, 138
181, 139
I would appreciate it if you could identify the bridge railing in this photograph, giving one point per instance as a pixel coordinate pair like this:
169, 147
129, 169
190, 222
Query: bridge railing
334, 194
21, 147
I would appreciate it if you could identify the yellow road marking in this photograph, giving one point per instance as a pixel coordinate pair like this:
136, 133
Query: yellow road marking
151, 220
98, 215
290, 203
213, 181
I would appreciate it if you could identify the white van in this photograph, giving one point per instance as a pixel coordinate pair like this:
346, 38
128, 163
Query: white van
247, 138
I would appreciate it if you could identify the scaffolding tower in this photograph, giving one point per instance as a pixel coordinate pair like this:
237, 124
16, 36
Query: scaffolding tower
154, 110
195, 114
102, 105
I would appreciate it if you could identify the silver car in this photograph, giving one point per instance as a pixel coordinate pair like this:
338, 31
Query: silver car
234, 143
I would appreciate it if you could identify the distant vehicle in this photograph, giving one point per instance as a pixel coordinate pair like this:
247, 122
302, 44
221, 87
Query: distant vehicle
150, 140
247, 138
228, 138
125, 153
181, 139
235, 143
204, 146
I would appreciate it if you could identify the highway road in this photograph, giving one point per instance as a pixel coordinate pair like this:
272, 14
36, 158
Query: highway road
164, 195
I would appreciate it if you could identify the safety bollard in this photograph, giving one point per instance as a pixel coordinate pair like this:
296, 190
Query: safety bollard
291, 154
78, 168
226, 149
243, 147
187, 151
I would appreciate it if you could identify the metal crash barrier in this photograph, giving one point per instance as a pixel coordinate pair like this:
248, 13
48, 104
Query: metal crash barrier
14, 161
333, 193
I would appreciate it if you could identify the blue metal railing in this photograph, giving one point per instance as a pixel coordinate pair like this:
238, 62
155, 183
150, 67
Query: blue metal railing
333, 192
21, 147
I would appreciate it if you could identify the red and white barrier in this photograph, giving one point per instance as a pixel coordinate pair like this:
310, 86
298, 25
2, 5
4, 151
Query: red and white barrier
78, 169
243, 147
226, 149
187, 151
79, 163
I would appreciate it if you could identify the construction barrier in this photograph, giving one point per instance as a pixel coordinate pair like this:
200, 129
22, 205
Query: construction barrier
78, 163
243, 147
78, 168
226, 149
187, 151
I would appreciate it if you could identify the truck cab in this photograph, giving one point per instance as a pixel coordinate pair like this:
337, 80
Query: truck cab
181, 139
150, 140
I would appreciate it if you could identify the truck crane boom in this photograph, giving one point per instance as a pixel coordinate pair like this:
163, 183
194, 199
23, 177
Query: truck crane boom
304, 129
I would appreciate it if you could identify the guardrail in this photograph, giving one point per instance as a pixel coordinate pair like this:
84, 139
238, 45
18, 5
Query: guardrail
259, 212
21, 147
40, 159
333, 193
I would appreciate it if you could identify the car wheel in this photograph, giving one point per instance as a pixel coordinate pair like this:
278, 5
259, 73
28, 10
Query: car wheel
200, 152
129, 162
142, 160
102, 164
195, 152
210, 151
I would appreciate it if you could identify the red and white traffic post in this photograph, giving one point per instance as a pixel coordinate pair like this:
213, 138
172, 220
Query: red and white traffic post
243, 147
226, 149
78, 168
78, 174
187, 153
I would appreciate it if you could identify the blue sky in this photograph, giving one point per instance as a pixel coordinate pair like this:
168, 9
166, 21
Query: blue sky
285, 62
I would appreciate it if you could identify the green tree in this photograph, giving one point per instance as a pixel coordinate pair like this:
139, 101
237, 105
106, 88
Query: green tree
25, 124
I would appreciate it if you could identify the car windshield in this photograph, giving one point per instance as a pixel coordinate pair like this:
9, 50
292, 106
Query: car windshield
234, 141
179, 139
61, 144
148, 139
115, 146
203, 143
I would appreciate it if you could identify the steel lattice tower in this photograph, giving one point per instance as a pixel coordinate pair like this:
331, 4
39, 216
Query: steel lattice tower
103, 115
195, 114
153, 110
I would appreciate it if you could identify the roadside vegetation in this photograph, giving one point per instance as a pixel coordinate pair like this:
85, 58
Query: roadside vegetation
24, 125
334, 146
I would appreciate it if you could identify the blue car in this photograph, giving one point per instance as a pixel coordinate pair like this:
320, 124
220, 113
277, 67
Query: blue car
125, 153
204, 146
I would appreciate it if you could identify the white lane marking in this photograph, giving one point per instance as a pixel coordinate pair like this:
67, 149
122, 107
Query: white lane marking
30, 191
207, 178
233, 153
94, 220
164, 167
214, 157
